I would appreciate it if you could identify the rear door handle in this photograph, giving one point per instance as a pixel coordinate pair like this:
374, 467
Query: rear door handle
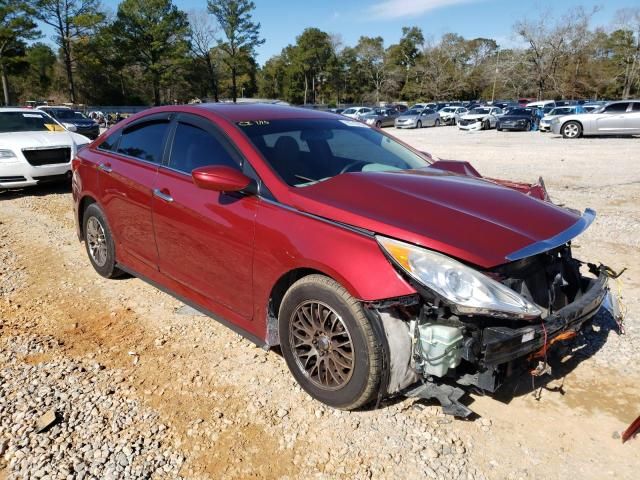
162, 195
105, 167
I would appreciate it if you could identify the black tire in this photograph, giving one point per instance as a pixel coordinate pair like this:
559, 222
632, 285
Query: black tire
454, 122
527, 126
362, 382
419, 124
436, 123
571, 129
378, 124
107, 266
486, 125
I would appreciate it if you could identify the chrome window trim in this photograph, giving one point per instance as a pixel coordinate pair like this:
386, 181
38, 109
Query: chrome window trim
561, 238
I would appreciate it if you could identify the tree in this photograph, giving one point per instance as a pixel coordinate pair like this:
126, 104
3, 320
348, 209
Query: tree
312, 54
70, 20
153, 34
241, 33
203, 38
625, 44
371, 56
16, 27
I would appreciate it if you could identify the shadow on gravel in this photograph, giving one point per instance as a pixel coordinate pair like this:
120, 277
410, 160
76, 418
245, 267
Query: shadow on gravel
41, 190
562, 359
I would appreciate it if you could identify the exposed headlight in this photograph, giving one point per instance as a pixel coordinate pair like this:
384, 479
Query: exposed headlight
467, 290
5, 153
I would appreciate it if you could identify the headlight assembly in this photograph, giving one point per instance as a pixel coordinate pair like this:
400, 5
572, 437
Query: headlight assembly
468, 291
5, 153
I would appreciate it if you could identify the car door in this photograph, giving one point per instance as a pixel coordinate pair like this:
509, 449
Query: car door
205, 239
128, 169
632, 119
612, 118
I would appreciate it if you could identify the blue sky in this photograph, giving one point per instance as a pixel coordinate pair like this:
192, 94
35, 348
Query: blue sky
283, 20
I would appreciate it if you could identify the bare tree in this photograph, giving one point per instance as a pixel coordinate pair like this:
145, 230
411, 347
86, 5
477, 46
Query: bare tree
628, 20
204, 31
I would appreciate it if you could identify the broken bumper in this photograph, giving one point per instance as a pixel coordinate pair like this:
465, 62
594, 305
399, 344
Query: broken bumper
501, 344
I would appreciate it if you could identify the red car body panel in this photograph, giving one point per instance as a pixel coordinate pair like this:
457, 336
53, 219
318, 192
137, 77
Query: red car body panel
474, 220
225, 253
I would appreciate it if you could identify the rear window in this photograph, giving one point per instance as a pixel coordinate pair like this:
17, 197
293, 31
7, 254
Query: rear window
144, 141
28, 122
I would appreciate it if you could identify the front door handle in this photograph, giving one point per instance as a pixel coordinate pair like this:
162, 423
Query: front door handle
105, 167
162, 195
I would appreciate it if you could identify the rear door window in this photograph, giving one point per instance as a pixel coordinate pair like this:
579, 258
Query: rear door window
144, 141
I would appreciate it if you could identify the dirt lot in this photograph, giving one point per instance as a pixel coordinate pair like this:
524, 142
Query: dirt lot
230, 410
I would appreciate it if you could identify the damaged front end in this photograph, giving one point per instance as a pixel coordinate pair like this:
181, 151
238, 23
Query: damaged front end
471, 328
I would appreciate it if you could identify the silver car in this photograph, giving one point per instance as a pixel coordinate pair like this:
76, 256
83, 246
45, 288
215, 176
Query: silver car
451, 115
545, 122
381, 117
418, 118
615, 118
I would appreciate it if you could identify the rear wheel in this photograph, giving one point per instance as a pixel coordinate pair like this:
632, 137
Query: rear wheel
571, 130
419, 124
329, 344
99, 242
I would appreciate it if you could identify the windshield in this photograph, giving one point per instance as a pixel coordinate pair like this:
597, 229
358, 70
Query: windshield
304, 152
448, 109
80, 116
561, 111
480, 111
520, 111
63, 114
413, 111
27, 122
349, 111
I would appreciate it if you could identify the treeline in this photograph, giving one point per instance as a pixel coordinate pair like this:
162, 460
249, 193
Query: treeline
151, 52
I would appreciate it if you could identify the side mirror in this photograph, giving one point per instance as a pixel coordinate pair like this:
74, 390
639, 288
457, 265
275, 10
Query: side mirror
220, 179
70, 127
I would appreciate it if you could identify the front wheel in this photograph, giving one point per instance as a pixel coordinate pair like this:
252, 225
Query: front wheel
571, 130
486, 125
419, 124
329, 344
436, 123
378, 124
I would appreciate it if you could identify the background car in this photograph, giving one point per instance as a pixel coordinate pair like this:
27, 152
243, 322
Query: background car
381, 117
450, 115
418, 118
34, 148
356, 112
74, 121
479, 118
615, 118
522, 118
545, 122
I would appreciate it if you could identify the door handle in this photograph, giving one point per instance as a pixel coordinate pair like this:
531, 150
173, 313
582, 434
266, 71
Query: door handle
105, 167
163, 196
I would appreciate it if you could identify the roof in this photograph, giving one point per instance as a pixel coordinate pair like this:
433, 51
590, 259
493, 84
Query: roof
16, 109
261, 111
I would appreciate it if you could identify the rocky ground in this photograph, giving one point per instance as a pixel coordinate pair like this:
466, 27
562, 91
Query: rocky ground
114, 379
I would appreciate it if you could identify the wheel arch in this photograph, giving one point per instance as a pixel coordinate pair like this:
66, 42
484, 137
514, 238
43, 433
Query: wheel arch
279, 290
575, 120
84, 202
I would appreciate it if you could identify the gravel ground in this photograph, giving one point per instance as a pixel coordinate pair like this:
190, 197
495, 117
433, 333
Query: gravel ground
145, 388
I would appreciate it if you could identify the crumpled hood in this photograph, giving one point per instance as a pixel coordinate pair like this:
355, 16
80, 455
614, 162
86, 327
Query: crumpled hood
20, 140
468, 218
475, 116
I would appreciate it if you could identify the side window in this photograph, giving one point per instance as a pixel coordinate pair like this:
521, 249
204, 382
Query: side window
194, 147
617, 107
111, 143
635, 107
144, 141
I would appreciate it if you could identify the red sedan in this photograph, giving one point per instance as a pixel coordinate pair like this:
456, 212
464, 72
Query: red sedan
377, 270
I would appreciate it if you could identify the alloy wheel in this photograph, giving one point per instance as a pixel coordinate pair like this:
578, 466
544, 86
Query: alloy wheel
571, 130
97, 241
321, 345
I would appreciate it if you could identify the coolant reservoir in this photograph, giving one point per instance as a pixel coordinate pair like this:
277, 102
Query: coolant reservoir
440, 348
